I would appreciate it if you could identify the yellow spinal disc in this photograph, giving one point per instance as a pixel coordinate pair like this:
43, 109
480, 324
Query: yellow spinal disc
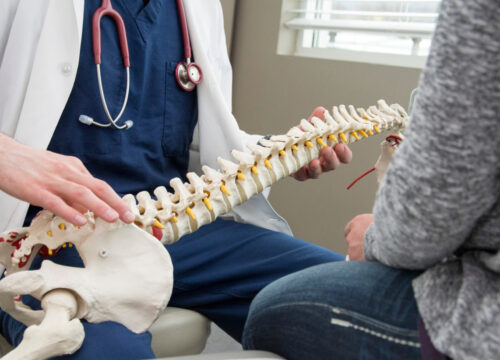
174, 219
241, 176
333, 138
282, 153
254, 170
342, 136
295, 148
355, 134
49, 233
362, 132
375, 127
50, 252
207, 203
62, 226
321, 142
224, 189
370, 132
70, 244
309, 144
268, 164
190, 213
64, 245
158, 224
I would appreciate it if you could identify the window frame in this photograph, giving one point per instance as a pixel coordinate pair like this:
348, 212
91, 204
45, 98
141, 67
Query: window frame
291, 39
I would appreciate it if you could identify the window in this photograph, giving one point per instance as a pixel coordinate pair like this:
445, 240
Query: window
391, 32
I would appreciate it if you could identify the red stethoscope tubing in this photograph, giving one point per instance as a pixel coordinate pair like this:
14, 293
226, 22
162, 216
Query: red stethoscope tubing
106, 9
187, 74
184, 29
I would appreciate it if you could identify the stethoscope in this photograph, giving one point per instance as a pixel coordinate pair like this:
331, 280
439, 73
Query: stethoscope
187, 73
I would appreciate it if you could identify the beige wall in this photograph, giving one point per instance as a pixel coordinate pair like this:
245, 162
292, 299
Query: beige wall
228, 7
273, 92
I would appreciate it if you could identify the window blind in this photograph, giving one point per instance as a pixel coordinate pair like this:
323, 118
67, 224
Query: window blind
386, 26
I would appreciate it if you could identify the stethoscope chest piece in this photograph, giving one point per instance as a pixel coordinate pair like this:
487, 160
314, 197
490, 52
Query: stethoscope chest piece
188, 75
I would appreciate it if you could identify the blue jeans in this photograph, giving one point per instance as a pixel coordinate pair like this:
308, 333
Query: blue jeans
218, 270
343, 310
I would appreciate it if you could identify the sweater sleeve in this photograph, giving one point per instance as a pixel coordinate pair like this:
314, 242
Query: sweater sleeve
445, 176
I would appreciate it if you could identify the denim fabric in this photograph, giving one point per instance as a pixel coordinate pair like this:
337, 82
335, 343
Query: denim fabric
218, 270
343, 310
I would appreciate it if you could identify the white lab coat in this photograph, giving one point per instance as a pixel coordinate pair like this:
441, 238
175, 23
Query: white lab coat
39, 52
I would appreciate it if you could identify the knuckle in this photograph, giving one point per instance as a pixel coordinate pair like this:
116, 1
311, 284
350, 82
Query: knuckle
101, 187
75, 161
50, 204
100, 209
61, 166
80, 191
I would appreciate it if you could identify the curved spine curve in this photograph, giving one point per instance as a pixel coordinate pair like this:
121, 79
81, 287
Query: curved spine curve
203, 198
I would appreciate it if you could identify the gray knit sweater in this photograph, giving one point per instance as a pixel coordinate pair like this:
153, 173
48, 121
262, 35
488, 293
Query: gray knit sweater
438, 208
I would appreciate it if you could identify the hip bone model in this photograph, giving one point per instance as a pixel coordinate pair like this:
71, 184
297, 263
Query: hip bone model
128, 274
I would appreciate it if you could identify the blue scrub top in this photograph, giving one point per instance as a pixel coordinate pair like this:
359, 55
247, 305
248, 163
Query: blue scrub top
156, 148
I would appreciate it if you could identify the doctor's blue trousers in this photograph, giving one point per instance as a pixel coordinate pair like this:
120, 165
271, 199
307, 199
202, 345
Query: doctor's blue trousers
218, 270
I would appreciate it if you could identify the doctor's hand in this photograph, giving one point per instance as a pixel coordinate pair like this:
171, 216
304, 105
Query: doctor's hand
330, 157
57, 183
354, 233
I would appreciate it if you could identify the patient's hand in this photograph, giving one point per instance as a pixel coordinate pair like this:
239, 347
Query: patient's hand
330, 158
354, 233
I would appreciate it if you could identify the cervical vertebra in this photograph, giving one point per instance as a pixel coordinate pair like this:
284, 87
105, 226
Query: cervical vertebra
128, 274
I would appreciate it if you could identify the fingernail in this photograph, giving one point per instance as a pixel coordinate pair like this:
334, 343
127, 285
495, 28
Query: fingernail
342, 148
80, 220
129, 217
111, 215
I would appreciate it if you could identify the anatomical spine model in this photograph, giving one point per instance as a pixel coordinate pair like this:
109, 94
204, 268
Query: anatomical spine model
127, 276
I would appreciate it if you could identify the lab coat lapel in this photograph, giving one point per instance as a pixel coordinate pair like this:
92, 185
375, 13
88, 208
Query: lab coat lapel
219, 132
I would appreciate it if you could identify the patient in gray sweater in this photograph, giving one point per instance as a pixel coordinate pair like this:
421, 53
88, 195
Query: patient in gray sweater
433, 242
439, 206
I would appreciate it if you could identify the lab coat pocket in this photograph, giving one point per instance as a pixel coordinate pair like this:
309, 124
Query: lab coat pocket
180, 115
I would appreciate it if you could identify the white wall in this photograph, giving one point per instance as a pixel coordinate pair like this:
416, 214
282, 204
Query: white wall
273, 92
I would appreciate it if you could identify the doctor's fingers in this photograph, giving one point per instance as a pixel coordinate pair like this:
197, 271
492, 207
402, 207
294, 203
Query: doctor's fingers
310, 171
111, 198
329, 159
78, 207
302, 174
82, 193
343, 153
102, 191
58, 206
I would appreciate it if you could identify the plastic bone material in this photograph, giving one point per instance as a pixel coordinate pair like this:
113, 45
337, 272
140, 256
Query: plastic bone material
388, 147
127, 275
59, 333
127, 278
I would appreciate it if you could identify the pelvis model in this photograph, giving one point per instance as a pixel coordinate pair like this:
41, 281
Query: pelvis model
127, 276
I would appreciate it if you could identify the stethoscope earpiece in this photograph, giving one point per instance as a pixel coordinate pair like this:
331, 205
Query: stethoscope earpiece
87, 120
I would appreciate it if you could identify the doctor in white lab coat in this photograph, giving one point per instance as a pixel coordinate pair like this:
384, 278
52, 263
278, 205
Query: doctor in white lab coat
39, 56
